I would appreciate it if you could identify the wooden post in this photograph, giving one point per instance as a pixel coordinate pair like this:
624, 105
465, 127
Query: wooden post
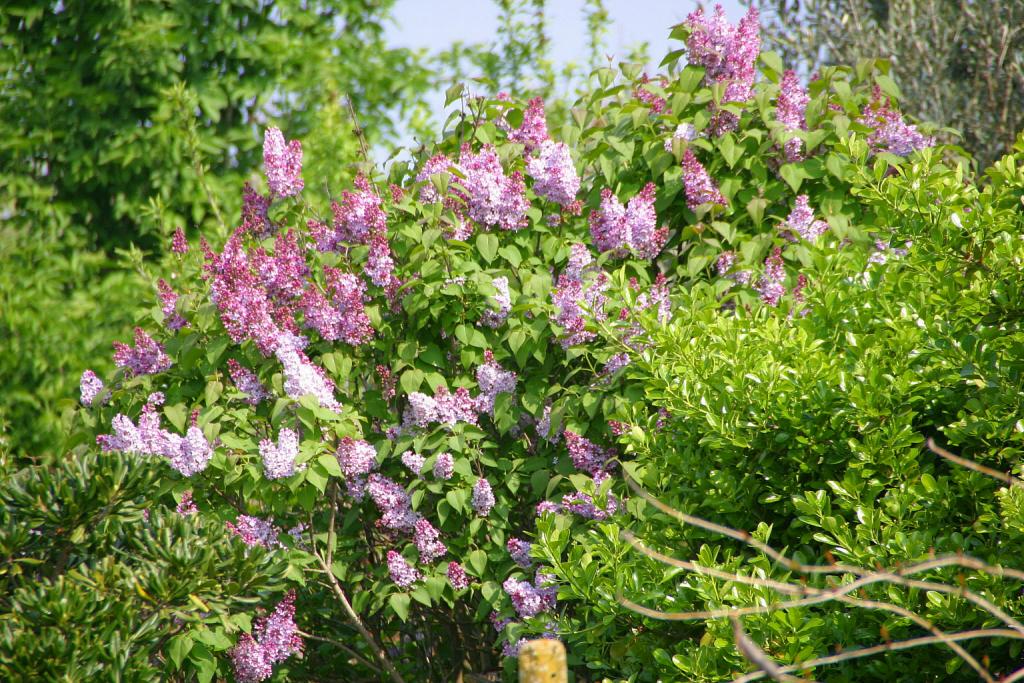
543, 661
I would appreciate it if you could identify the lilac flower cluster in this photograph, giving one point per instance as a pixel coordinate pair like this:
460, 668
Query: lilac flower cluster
770, 286
533, 131
519, 550
402, 573
891, 133
725, 262
554, 173
276, 639
393, 502
801, 221
457, 576
356, 459
435, 165
622, 230
413, 462
343, 316
493, 380
576, 296
187, 454
700, 188
544, 427
90, 386
179, 244
301, 376
426, 538
147, 357
358, 216
444, 466
254, 531
684, 132
444, 407
282, 163
656, 102
256, 213
483, 497
248, 383
503, 300
791, 112
528, 599
491, 197
168, 302
279, 459
727, 53
586, 455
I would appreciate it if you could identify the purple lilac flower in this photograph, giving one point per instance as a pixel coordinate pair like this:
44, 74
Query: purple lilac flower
728, 54
90, 386
614, 364
457, 576
652, 100
188, 455
548, 507
343, 316
533, 131
248, 383
621, 230
179, 244
801, 220
282, 163
519, 550
250, 661
168, 302
493, 380
435, 165
356, 458
146, 358
256, 212
586, 455
770, 286
359, 215
725, 261
503, 300
279, 459
301, 376
402, 573
453, 407
427, 540
791, 112
413, 461
393, 502
700, 188
529, 600
544, 427
444, 466
187, 506
891, 133
554, 173
254, 531
492, 197
276, 639
483, 497
576, 296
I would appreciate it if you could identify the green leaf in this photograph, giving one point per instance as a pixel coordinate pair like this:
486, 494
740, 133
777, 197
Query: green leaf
793, 174
478, 562
330, 464
400, 604
487, 243
178, 647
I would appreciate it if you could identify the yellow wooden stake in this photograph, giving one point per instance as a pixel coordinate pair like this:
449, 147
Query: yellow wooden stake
543, 661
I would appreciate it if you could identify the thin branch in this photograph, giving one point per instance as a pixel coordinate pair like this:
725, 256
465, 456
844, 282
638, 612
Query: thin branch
759, 658
971, 465
340, 645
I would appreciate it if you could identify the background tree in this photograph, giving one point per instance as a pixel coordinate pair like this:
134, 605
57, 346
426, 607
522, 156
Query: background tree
957, 62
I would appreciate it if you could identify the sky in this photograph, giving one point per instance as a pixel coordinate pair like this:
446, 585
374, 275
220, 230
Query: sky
436, 24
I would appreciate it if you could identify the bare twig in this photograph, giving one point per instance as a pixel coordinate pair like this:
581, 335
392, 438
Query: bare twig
756, 656
971, 465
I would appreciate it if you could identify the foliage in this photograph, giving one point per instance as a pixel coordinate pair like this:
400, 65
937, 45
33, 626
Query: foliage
960, 63
809, 432
416, 350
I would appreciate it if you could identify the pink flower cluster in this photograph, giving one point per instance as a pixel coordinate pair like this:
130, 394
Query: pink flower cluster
413, 461
493, 380
577, 296
586, 455
891, 133
791, 112
301, 376
359, 215
700, 188
393, 502
457, 576
444, 466
256, 213
652, 100
254, 531
492, 198
187, 506
343, 316
533, 131
187, 454
801, 221
276, 639
427, 540
357, 459
633, 228
519, 550
444, 407
728, 54
179, 243
554, 173
402, 573
770, 286
279, 458
528, 599
168, 302
248, 383
147, 357
90, 386
483, 497
282, 163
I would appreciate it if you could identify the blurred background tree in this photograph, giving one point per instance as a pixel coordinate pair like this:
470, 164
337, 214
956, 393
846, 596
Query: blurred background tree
957, 62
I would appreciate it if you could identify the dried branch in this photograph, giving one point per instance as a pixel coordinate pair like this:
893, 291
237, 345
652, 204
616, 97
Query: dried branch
971, 465
758, 657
